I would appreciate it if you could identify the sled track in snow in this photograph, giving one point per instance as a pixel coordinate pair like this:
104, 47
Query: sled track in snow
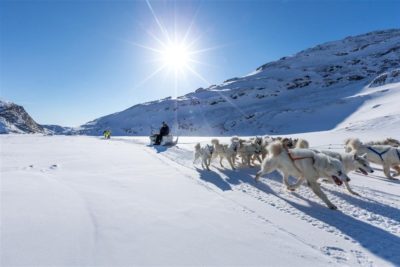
371, 221
361, 220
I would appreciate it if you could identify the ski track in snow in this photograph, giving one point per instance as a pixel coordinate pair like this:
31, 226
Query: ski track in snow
371, 221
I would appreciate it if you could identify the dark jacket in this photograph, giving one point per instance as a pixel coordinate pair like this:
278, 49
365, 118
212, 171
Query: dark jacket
164, 130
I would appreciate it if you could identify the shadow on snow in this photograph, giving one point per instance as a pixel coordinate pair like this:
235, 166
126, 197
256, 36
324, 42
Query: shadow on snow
378, 241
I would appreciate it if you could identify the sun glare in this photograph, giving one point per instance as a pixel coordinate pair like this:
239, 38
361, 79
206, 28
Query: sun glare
175, 51
176, 56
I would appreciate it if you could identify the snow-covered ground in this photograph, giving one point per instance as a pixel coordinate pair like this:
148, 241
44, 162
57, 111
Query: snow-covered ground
86, 201
80, 201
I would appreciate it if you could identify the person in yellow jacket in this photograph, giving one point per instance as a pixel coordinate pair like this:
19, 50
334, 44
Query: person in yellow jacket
107, 134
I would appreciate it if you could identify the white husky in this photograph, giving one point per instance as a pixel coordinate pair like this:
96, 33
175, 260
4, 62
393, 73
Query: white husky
226, 151
263, 143
351, 162
303, 163
387, 156
248, 149
204, 153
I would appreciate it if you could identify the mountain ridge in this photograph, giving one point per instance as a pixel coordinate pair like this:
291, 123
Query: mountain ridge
267, 100
315, 89
14, 119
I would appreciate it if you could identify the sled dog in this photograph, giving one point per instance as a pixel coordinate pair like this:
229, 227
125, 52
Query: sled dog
226, 151
351, 162
204, 153
303, 164
387, 156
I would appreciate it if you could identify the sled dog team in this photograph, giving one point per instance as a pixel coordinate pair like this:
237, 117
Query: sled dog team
294, 157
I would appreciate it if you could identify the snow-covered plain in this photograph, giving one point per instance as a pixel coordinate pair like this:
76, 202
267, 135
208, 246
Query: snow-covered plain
79, 201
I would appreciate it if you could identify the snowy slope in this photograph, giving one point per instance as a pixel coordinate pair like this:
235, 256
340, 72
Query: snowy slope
317, 88
85, 201
14, 119
381, 106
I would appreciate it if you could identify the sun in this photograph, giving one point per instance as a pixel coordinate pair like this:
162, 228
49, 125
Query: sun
174, 50
176, 55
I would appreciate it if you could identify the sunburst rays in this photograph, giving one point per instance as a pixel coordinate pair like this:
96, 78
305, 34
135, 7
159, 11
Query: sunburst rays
174, 51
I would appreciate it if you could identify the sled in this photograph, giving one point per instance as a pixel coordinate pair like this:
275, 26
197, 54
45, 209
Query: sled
167, 140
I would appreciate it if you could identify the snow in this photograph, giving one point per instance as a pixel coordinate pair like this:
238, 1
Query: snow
7, 127
379, 111
76, 200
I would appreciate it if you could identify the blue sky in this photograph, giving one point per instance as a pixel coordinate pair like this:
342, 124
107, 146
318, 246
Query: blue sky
68, 62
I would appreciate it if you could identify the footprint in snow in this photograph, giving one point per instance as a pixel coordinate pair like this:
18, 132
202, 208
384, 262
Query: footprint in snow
337, 253
30, 167
52, 167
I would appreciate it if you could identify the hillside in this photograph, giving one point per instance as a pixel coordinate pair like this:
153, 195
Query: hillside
313, 90
14, 119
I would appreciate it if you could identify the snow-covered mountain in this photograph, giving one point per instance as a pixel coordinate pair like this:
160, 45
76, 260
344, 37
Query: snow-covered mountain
59, 130
380, 109
14, 119
315, 89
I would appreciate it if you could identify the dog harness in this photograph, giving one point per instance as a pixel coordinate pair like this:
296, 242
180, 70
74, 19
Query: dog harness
299, 158
398, 153
381, 153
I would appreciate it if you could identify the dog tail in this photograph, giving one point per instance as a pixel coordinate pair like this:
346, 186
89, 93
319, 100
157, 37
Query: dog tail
347, 141
351, 141
234, 138
301, 143
356, 143
275, 148
215, 141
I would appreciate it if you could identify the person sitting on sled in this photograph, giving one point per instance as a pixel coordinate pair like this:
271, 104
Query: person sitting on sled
164, 130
